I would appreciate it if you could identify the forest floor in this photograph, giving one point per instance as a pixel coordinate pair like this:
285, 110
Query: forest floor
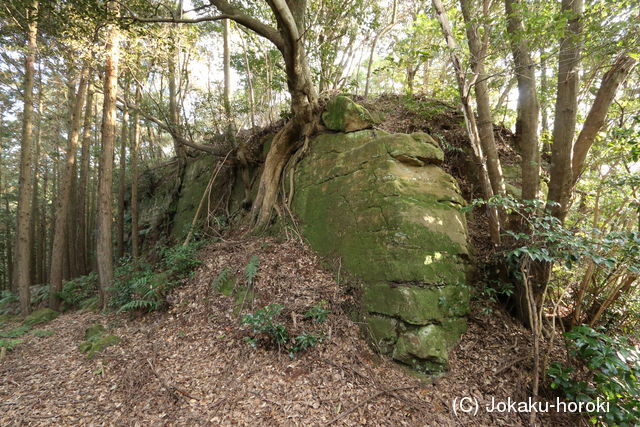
191, 364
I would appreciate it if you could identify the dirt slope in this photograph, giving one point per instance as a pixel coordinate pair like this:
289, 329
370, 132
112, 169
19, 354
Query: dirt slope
191, 365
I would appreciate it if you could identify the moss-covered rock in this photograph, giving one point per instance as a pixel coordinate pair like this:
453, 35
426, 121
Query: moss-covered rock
97, 340
196, 178
417, 305
383, 332
94, 331
343, 115
42, 315
426, 348
381, 203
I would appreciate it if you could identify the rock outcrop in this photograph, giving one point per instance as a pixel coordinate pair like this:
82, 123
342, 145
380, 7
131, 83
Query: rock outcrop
381, 204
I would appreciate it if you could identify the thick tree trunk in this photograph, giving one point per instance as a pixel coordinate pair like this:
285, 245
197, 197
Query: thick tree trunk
63, 208
564, 124
81, 206
25, 190
527, 109
105, 180
485, 123
304, 103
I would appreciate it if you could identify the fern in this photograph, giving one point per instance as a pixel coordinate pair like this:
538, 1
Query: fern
251, 269
7, 297
10, 344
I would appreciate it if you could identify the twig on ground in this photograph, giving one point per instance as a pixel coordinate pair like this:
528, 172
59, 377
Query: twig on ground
370, 399
173, 390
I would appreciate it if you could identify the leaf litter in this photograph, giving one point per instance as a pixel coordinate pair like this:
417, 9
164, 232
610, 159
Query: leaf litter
191, 365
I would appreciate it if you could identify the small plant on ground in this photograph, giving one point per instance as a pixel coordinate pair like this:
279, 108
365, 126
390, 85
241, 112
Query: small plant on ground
96, 340
303, 342
318, 313
264, 326
611, 370
140, 286
268, 332
9, 344
251, 270
224, 282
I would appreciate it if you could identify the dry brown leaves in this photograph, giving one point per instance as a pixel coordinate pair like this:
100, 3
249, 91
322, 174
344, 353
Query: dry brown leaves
191, 365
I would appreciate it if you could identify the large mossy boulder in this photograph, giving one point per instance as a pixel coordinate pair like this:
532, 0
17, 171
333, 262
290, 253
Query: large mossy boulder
343, 115
381, 204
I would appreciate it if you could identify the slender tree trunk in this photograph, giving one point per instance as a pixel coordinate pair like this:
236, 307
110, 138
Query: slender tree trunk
544, 85
377, 37
64, 198
527, 109
611, 80
135, 142
105, 180
121, 180
252, 99
25, 190
226, 54
44, 226
485, 123
469, 118
174, 112
564, 124
81, 206
35, 217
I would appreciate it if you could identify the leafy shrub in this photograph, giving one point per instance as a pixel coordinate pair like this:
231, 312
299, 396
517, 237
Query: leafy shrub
138, 287
141, 290
267, 331
264, 326
80, 292
612, 370
317, 312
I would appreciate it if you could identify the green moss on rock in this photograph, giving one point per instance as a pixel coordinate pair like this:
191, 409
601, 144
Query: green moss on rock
344, 115
196, 177
383, 332
42, 315
97, 340
94, 331
416, 305
381, 203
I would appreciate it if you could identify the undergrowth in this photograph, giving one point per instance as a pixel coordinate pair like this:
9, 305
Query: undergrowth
267, 331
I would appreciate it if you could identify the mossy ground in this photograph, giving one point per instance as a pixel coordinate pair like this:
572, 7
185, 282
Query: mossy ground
96, 340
